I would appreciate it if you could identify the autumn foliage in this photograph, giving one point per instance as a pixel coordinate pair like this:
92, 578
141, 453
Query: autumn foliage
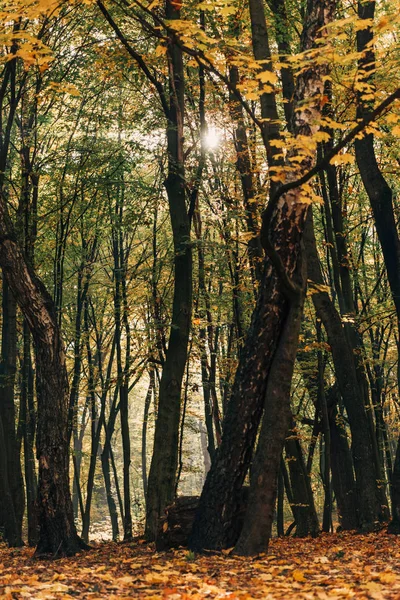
331, 567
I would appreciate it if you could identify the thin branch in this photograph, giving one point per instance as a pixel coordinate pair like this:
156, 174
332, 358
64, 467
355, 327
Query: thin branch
136, 56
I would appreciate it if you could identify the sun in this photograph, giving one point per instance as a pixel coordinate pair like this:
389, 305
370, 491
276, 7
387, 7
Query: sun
212, 138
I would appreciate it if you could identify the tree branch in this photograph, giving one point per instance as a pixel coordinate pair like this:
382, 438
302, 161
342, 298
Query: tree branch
136, 56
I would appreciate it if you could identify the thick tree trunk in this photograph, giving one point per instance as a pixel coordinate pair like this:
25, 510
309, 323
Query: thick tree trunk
10, 530
57, 530
213, 524
256, 531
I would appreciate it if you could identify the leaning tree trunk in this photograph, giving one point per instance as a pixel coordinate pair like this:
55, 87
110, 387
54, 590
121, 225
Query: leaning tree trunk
57, 530
257, 526
256, 378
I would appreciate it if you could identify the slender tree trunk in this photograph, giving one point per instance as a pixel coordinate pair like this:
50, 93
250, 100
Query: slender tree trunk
11, 448
326, 470
150, 391
280, 517
394, 525
381, 199
27, 424
105, 464
343, 481
162, 475
368, 494
303, 501
244, 168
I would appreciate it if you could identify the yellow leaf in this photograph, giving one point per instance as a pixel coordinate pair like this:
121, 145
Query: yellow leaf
228, 10
160, 50
267, 77
342, 159
126, 580
278, 143
298, 575
321, 136
253, 96
387, 577
396, 130
156, 578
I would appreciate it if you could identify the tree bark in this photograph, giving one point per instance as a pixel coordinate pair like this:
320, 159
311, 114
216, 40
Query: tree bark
256, 531
368, 494
7, 414
303, 501
381, 199
162, 475
57, 529
213, 523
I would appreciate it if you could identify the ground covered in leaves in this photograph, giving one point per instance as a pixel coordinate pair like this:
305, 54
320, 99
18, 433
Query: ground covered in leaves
332, 566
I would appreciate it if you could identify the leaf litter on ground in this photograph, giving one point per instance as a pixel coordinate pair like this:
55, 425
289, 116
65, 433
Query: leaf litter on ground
330, 567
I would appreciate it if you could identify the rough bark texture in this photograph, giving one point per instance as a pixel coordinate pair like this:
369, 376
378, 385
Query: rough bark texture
213, 524
57, 530
256, 531
176, 523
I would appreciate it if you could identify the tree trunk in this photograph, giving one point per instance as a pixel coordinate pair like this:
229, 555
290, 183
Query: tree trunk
256, 531
368, 494
303, 501
57, 529
27, 425
343, 482
394, 525
162, 476
7, 414
380, 195
282, 229
150, 391
9, 526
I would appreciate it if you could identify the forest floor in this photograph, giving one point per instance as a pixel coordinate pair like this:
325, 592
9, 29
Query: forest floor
333, 566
